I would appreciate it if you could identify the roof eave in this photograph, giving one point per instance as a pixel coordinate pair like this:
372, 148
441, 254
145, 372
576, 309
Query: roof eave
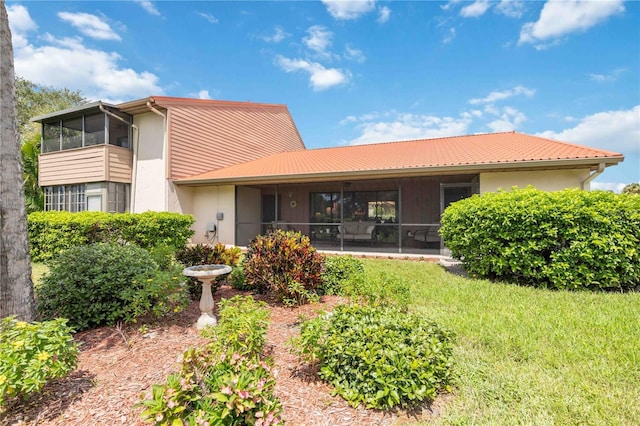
405, 172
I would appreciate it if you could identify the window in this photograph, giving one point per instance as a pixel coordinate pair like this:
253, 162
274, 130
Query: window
86, 130
379, 206
65, 197
117, 195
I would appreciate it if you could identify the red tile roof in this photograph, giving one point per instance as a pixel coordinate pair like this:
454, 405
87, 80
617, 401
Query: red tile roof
491, 151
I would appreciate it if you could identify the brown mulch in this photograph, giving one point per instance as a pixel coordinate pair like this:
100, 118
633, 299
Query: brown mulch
119, 364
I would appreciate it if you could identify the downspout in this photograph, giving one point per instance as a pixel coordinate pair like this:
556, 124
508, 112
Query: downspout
136, 140
166, 147
592, 176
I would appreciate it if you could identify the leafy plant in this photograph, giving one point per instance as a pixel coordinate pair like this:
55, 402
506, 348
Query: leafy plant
342, 275
379, 357
284, 263
224, 382
568, 239
238, 279
31, 354
243, 326
105, 283
50, 233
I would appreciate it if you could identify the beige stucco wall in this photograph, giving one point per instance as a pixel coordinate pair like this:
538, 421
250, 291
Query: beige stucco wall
151, 176
206, 202
547, 180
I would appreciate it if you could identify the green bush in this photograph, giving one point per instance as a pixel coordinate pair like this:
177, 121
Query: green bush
238, 279
32, 354
224, 382
285, 264
568, 239
341, 274
105, 283
379, 357
52, 232
244, 326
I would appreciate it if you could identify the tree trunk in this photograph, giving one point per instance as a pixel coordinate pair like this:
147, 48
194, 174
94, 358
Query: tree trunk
16, 288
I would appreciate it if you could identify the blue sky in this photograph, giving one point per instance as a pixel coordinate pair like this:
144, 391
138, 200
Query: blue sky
361, 71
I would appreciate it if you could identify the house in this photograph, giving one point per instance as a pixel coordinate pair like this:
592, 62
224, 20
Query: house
241, 168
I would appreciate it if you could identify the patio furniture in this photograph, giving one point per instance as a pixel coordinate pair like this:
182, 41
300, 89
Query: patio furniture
357, 231
427, 235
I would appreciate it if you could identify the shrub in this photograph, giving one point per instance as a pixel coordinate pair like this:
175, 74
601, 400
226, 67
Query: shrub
52, 232
238, 279
379, 357
32, 354
285, 264
203, 254
224, 382
568, 239
105, 283
342, 275
244, 326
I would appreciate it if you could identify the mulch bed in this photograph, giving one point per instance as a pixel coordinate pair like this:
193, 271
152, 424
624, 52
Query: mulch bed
119, 364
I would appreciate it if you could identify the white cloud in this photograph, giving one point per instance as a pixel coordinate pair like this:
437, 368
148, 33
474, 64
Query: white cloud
148, 6
354, 54
21, 24
319, 38
349, 9
511, 8
613, 130
561, 17
449, 36
477, 8
278, 35
509, 120
612, 76
616, 187
505, 94
69, 63
209, 17
90, 25
203, 94
384, 13
393, 126
320, 78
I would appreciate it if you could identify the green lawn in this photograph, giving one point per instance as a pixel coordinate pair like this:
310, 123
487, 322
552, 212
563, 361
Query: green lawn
528, 356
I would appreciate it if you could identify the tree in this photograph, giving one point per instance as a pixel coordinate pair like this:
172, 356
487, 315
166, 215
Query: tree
33, 100
16, 288
632, 188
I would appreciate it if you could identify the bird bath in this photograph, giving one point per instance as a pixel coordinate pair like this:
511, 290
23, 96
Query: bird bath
206, 274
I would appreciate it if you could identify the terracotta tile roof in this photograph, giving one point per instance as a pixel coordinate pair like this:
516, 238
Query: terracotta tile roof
473, 152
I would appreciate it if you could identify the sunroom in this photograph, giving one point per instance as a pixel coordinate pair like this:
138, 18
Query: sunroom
86, 158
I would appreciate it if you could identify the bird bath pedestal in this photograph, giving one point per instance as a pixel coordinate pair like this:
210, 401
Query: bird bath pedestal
206, 274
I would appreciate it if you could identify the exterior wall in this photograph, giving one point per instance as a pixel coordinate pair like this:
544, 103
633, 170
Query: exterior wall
207, 201
547, 180
248, 216
151, 173
180, 198
96, 163
220, 135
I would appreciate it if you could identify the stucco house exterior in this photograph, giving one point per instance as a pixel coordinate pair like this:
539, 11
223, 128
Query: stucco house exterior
242, 168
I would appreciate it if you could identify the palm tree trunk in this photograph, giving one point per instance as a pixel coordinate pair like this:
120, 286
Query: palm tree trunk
16, 288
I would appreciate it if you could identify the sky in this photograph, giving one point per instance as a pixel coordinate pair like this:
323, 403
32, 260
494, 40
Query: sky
355, 72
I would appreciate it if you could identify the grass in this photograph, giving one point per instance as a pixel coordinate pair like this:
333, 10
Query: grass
529, 356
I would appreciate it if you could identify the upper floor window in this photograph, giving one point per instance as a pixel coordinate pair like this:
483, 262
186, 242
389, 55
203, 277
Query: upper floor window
86, 130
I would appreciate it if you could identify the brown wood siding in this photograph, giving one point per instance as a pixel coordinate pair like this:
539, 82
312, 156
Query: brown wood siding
205, 138
92, 164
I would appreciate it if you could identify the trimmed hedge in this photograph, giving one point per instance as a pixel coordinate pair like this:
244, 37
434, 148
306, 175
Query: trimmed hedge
53, 232
569, 239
